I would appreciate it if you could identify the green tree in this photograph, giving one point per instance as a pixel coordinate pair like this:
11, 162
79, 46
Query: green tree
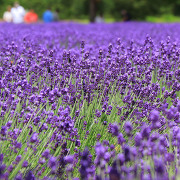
74, 9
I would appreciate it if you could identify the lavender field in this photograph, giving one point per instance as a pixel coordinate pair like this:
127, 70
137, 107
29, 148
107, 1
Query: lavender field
90, 102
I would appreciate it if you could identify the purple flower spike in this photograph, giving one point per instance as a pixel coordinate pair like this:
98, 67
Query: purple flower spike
178, 106
52, 162
46, 153
138, 138
85, 164
29, 176
18, 158
18, 145
9, 123
69, 159
3, 130
145, 132
1, 158
159, 166
121, 139
19, 177
10, 168
34, 138
128, 128
98, 113
77, 143
25, 164
115, 129
154, 116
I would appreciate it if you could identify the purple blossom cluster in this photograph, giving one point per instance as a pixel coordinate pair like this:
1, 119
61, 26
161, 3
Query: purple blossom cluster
97, 101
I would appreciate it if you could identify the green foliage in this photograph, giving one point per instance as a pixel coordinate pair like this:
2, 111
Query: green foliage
163, 18
79, 9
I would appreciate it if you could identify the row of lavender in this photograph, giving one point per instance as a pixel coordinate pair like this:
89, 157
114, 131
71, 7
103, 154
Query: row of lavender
90, 101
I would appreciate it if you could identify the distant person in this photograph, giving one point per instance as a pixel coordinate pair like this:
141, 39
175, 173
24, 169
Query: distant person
31, 17
18, 13
125, 16
56, 15
7, 16
48, 16
99, 18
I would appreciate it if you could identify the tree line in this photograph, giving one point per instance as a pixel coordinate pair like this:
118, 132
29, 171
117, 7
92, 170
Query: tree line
83, 9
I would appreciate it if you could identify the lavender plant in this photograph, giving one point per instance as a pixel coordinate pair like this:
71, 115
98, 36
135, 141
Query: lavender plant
97, 101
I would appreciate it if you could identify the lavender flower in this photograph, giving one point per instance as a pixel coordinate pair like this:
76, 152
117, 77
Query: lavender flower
34, 138
46, 153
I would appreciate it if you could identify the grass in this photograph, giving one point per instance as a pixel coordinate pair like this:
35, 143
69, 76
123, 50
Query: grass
169, 18
165, 18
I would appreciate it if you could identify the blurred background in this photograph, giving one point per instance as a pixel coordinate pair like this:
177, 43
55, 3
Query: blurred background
111, 10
